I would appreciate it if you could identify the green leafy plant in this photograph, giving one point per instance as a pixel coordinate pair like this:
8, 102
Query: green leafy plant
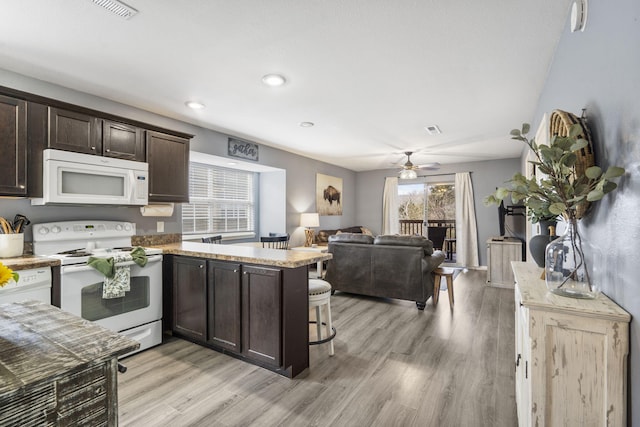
561, 191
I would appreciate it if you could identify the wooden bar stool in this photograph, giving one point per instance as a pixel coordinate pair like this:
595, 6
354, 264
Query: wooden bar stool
438, 274
320, 297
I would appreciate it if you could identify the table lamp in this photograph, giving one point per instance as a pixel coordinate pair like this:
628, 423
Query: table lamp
309, 220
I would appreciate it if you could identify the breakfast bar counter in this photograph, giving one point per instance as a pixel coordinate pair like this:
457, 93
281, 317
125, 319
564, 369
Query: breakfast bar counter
245, 254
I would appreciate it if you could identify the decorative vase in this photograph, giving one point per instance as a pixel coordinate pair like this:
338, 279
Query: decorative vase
538, 244
567, 269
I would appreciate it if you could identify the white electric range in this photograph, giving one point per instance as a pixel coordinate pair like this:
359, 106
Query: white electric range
138, 314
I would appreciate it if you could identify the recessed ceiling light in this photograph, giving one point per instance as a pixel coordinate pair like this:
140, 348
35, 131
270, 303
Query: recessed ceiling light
433, 130
307, 124
273, 80
195, 105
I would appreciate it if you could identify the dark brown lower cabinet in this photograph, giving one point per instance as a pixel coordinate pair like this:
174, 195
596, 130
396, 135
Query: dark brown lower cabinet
255, 313
261, 317
190, 297
224, 300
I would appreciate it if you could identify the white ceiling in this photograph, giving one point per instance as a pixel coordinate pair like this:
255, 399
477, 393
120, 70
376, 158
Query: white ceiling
371, 74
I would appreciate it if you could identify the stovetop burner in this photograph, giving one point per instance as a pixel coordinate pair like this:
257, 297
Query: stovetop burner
78, 254
75, 253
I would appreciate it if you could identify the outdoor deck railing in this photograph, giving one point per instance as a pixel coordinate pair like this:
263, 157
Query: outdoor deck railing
416, 226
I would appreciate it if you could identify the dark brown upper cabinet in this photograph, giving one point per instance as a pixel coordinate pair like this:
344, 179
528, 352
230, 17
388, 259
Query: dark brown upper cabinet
13, 146
168, 158
83, 133
74, 131
31, 123
122, 141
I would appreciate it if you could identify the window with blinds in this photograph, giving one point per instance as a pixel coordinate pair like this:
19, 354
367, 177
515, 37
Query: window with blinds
221, 200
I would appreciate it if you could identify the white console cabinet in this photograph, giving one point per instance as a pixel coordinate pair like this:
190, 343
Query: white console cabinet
571, 356
500, 252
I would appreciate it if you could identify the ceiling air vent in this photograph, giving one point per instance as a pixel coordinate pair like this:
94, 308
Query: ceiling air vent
433, 130
119, 8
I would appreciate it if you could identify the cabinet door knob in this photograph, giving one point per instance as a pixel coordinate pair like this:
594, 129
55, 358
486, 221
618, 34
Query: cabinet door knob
235, 271
93, 148
201, 266
108, 150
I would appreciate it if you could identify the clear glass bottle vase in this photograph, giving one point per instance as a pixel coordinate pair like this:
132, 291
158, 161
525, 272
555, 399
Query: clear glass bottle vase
567, 266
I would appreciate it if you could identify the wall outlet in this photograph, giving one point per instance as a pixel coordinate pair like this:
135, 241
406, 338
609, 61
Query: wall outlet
160, 226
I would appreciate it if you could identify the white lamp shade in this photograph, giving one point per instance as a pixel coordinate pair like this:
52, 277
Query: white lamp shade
309, 220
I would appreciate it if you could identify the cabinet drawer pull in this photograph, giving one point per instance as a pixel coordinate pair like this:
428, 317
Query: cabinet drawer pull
518, 360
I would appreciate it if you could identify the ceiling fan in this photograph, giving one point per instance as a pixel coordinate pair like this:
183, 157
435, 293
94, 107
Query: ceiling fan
409, 170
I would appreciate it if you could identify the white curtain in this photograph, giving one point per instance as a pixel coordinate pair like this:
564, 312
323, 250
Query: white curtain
466, 229
390, 218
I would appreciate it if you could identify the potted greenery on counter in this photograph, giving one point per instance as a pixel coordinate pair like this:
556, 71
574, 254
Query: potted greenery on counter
566, 191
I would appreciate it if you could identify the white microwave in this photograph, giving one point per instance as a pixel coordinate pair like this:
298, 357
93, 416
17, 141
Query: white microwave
85, 179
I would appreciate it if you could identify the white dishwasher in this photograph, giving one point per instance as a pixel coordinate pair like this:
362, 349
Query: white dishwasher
33, 283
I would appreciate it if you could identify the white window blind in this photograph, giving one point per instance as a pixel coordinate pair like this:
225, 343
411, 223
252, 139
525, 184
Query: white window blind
220, 200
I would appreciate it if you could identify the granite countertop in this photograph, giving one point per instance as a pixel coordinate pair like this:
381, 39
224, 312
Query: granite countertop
26, 262
245, 254
238, 253
40, 342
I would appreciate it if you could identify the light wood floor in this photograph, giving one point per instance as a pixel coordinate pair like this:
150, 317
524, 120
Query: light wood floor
394, 366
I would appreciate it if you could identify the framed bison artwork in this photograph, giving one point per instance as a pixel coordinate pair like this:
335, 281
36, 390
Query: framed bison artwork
328, 195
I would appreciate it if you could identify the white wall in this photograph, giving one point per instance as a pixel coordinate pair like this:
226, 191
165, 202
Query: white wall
273, 203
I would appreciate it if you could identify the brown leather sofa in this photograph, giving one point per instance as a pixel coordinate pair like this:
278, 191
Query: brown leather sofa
385, 266
322, 236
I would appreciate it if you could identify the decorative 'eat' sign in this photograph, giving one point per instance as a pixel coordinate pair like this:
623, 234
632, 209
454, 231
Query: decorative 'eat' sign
243, 149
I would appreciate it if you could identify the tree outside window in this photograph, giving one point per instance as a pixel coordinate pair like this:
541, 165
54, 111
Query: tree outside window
441, 201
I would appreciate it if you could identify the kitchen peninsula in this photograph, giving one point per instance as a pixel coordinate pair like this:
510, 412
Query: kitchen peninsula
248, 302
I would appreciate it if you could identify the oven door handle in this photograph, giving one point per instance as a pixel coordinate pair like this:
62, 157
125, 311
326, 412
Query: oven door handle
78, 268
